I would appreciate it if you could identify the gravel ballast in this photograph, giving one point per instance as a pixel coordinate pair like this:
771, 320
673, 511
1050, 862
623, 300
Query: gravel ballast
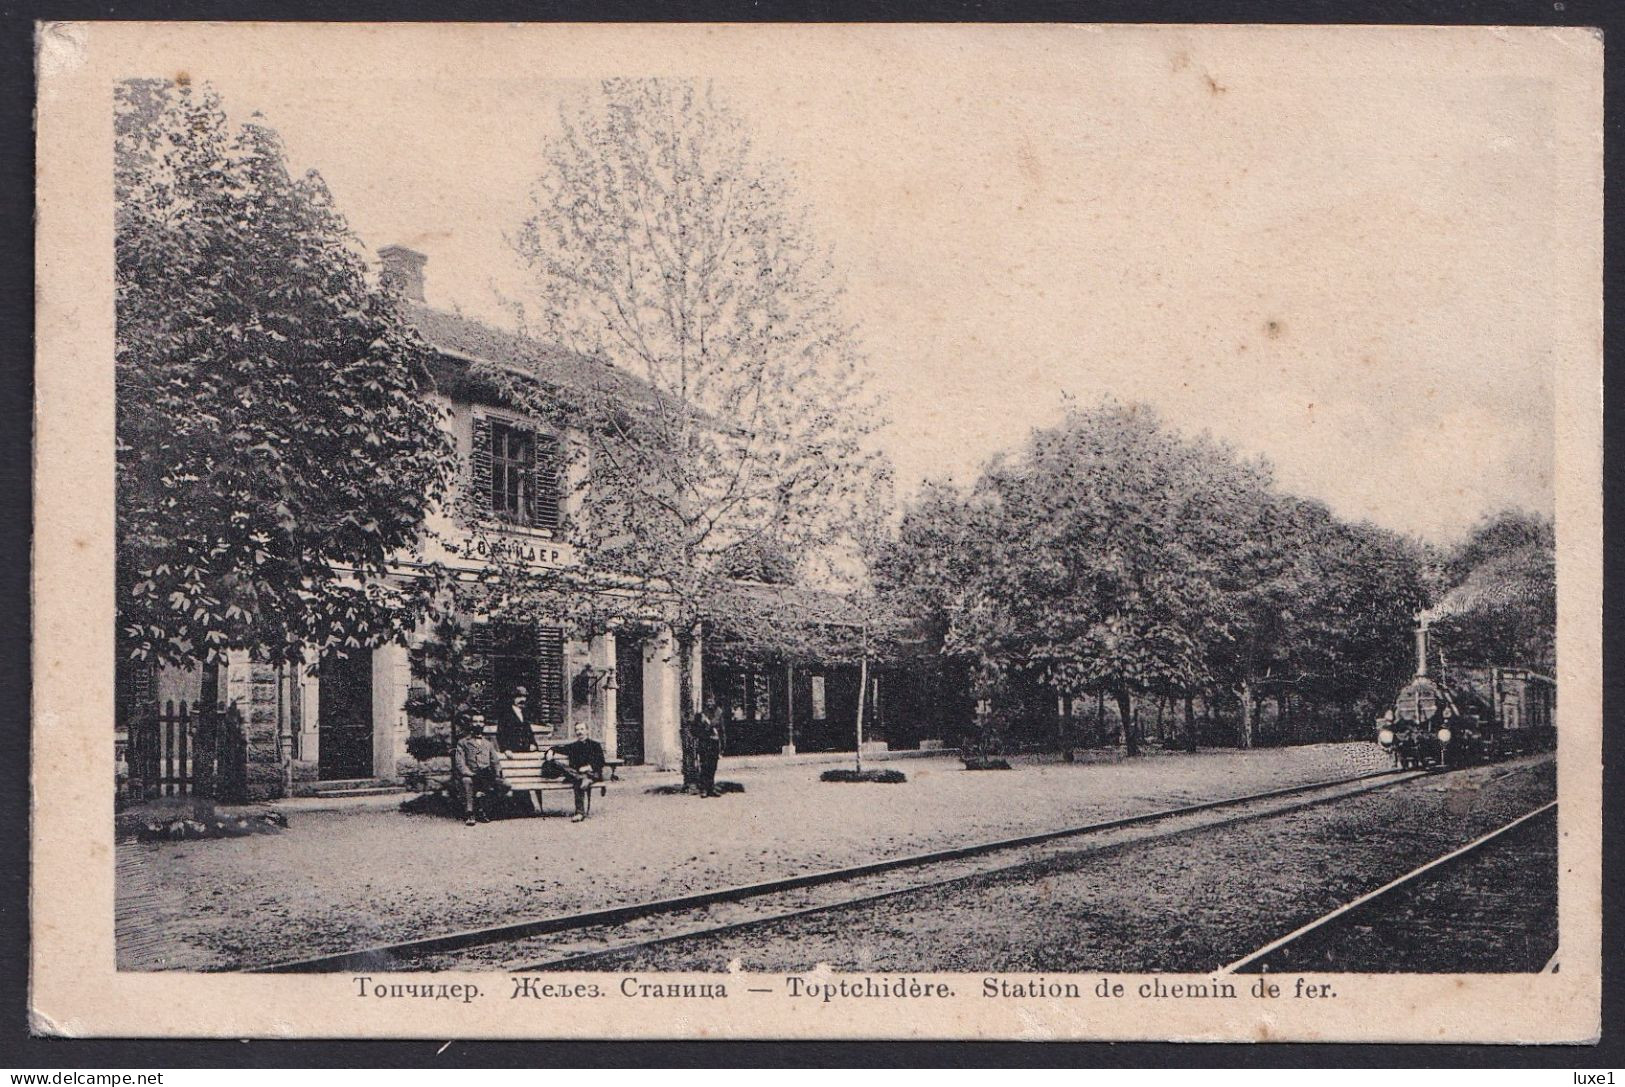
1190, 903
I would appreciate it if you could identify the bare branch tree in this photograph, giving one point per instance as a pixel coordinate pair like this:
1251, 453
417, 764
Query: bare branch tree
729, 413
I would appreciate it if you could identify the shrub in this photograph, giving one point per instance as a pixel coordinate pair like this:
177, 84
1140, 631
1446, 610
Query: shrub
218, 826
879, 777
431, 745
678, 789
435, 803
991, 736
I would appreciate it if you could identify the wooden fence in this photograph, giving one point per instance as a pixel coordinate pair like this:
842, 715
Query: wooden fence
159, 754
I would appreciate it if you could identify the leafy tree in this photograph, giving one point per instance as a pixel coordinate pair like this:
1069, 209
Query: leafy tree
1132, 524
926, 571
1093, 559
1368, 587
1266, 581
729, 422
275, 450
450, 688
1318, 607
1113, 555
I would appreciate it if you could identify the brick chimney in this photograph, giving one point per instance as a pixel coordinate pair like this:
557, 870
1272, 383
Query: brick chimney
403, 270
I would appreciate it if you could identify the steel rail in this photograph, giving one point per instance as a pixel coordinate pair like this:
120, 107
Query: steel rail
1387, 888
731, 927
384, 956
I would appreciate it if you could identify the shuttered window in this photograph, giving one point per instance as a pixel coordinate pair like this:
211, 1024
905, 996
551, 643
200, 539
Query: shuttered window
544, 511
521, 655
550, 676
516, 473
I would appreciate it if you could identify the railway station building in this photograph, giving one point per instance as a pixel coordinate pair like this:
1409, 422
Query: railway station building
344, 725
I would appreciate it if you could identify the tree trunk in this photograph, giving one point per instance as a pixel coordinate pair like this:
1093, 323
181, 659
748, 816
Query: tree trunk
1063, 729
863, 696
688, 735
790, 705
206, 744
1245, 696
1192, 737
1131, 745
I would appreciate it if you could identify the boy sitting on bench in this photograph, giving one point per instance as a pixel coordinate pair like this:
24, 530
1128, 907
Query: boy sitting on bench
476, 769
582, 766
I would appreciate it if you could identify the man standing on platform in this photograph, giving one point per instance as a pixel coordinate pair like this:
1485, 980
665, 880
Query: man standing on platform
708, 745
513, 727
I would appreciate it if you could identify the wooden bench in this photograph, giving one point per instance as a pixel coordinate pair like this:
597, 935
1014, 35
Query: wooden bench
522, 773
545, 740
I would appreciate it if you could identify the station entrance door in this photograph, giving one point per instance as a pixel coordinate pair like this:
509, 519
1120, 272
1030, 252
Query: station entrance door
629, 699
344, 720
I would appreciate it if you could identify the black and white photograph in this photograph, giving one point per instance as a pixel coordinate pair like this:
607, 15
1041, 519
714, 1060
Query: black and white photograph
914, 531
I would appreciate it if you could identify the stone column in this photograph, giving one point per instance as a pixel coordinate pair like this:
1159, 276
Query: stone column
309, 744
391, 678
262, 734
602, 653
662, 735
251, 689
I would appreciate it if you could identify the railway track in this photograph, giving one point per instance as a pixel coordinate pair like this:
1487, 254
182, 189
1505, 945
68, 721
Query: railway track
1345, 940
570, 940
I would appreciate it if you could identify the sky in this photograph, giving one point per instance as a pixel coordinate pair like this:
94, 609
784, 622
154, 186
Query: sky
1331, 247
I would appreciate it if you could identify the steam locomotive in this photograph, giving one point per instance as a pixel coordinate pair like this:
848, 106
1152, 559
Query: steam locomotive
1467, 715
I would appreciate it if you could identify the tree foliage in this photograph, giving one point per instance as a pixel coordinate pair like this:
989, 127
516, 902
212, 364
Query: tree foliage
448, 674
663, 245
449, 685
275, 447
1106, 565
1114, 555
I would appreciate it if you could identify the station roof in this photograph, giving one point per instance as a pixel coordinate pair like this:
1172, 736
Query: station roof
809, 605
462, 342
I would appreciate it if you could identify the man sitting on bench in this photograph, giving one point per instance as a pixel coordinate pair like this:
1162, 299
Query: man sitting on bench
476, 768
582, 766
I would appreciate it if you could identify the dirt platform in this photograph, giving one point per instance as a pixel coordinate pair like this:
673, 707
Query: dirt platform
337, 880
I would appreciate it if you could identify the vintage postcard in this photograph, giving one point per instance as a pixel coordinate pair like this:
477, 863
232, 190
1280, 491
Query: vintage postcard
958, 532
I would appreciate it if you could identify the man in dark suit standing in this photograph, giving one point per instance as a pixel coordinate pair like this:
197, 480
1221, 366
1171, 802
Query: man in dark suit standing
708, 744
513, 726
